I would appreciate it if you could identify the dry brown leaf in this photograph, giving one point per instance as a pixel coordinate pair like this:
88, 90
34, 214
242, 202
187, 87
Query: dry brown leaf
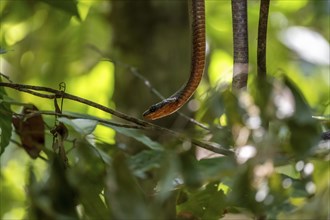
31, 129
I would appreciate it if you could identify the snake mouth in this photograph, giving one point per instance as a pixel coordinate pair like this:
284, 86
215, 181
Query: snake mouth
162, 109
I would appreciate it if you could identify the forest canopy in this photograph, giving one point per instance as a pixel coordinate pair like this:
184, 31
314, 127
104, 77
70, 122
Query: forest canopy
76, 77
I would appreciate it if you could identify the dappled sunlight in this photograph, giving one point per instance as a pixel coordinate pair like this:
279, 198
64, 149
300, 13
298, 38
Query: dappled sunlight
308, 44
291, 7
245, 153
16, 33
98, 85
284, 101
220, 70
254, 153
194, 105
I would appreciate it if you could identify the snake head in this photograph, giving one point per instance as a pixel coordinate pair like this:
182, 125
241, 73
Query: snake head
161, 109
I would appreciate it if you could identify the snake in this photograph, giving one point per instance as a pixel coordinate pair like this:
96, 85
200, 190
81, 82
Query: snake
170, 105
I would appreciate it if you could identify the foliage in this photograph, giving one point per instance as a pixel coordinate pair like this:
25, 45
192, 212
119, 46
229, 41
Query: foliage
5, 121
280, 169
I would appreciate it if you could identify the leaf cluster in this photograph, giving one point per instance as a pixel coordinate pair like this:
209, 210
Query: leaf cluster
68, 165
271, 175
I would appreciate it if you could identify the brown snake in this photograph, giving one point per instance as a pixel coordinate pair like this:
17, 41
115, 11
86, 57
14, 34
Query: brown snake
178, 99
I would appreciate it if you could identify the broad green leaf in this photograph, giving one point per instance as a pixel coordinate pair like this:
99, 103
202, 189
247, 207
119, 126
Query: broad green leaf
69, 6
105, 157
261, 90
213, 107
169, 173
82, 127
288, 170
233, 110
217, 168
205, 203
139, 136
299, 188
303, 127
145, 161
89, 122
124, 194
189, 169
54, 197
5, 121
87, 175
222, 136
243, 193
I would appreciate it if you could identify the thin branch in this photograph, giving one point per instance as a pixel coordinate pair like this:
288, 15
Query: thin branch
147, 125
146, 82
262, 38
6, 77
21, 146
102, 121
153, 90
60, 94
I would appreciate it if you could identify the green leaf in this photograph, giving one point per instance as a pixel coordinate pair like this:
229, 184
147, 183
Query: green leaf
222, 136
145, 161
304, 129
190, 172
243, 192
233, 110
87, 175
205, 203
53, 198
216, 168
303, 113
124, 194
139, 136
5, 121
213, 107
69, 6
169, 173
262, 92
288, 170
82, 127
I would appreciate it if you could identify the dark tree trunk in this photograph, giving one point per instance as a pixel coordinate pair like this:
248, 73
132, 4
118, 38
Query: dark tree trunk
241, 49
153, 36
262, 38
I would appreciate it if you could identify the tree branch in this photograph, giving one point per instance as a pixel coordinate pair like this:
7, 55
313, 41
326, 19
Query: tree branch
146, 125
134, 71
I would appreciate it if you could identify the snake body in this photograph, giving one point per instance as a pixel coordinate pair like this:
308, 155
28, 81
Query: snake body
178, 99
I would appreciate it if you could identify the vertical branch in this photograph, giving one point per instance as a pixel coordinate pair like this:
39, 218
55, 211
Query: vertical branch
241, 50
262, 38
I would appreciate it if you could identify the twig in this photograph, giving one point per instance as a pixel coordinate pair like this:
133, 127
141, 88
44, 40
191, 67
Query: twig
147, 125
20, 145
146, 82
6, 77
102, 121
59, 94
153, 90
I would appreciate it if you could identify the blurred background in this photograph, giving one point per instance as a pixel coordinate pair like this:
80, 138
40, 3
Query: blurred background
46, 42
